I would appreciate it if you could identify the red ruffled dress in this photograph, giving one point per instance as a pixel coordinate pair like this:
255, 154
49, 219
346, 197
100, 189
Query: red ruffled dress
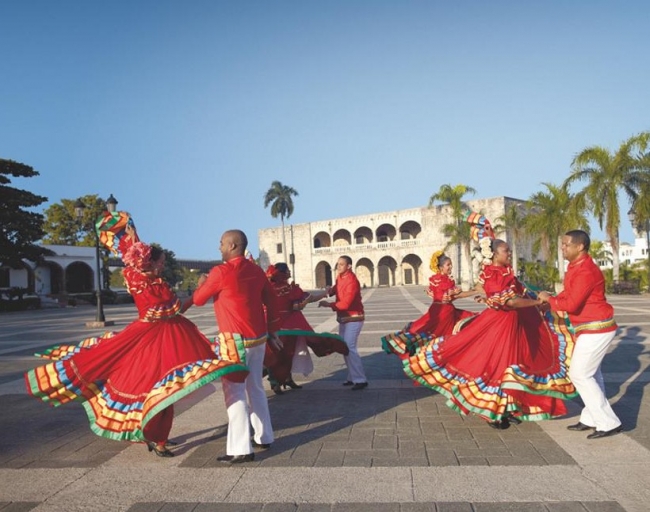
294, 325
439, 320
129, 380
504, 361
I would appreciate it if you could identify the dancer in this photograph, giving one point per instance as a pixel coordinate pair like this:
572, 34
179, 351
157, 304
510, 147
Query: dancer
592, 318
350, 316
296, 334
129, 380
510, 362
240, 293
441, 317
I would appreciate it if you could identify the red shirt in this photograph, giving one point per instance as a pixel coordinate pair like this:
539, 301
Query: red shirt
240, 291
583, 298
348, 305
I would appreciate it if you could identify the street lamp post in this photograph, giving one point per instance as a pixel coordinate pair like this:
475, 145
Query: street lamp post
79, 207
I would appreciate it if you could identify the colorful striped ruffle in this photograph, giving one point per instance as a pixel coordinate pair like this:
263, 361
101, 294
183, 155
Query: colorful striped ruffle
467, 394
113, 415
65, 351
403, 343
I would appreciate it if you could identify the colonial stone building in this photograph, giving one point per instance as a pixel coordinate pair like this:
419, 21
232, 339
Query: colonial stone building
387, 249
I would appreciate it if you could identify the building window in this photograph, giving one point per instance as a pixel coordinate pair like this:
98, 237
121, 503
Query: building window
278, 248
360, 240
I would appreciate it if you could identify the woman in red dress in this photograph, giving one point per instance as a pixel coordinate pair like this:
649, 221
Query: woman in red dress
129, 380
510, 362
295, 332
441, 317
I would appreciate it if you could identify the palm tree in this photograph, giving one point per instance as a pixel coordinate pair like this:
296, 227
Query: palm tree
458, 231
279, 196
513, 221
551, 214
606, 175
599, 252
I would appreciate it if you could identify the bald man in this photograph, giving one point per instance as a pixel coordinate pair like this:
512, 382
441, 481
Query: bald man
240, 290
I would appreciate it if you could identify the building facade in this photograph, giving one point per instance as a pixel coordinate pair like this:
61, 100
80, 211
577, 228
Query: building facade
390, 248
70, 269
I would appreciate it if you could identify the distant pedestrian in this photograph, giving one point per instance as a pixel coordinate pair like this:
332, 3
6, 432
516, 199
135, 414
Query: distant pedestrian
592, 318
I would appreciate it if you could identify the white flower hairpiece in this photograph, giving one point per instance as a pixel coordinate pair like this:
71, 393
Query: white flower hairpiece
485, 244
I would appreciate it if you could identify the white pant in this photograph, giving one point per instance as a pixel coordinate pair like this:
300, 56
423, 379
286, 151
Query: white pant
248, 407
584, 372
350, 333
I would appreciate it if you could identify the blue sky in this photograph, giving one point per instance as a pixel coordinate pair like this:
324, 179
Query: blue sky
187, 111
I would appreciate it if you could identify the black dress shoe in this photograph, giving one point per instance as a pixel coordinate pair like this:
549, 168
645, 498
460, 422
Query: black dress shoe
579, 427
264, 446
605, 433
359, 385
237, 459
500, 425
348, 383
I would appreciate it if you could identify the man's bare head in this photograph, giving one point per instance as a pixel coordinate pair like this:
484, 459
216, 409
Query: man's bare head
233, 244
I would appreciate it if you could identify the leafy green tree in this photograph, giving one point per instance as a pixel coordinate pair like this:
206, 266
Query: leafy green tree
280, 197
458, 231
552, 213
20, 229
172, 271
598, 251
62, 226
606, 175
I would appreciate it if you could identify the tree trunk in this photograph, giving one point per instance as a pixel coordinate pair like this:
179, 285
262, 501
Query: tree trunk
515, 259
468, 259
615, 257
285, 254
560, 259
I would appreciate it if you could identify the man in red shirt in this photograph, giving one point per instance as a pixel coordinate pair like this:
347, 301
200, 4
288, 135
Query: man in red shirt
240, 290
592, 318
349, 314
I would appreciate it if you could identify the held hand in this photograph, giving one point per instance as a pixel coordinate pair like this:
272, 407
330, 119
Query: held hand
543, 296
275, 342
202, 279
323, 304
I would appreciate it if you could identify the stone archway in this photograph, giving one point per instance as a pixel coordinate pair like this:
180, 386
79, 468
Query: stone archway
323, 274
79, 277
386, 271
365, 272
411, 268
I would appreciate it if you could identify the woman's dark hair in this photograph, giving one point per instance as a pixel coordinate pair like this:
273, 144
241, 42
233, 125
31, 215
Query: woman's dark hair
156, 253
282, 267
348, 259
442, 259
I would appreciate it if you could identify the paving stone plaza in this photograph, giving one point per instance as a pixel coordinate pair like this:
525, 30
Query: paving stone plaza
391, 447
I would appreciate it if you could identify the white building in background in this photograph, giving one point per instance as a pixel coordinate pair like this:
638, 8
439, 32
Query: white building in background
629, 253
390, 248
69, 269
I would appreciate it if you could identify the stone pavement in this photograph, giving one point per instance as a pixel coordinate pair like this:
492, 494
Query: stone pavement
390, 447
